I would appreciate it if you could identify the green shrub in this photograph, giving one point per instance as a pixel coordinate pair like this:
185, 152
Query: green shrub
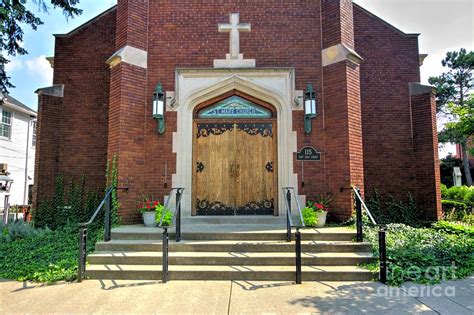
425, 255
454, 210
469, 196
167, 217
457, 193
309, 216
454, 228
18, 230
46, 256
444, 191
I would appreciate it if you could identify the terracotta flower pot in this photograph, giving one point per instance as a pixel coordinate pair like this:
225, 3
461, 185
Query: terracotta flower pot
149, 218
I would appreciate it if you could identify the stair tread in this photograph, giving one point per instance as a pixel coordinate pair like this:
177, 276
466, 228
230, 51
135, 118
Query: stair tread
227, 268
232, 229
235, 242
231, 254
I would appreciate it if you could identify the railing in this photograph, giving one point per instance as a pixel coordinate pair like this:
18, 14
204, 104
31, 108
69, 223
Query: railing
289, 191
175, 221
360, 204
107, 203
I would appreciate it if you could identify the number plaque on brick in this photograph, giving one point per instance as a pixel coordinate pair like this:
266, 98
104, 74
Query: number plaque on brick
308, 154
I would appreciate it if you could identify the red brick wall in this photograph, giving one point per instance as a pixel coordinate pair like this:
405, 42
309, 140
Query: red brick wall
338, 23
132, 22
47, 146
369, 145
390, 63
80, 64
184, 34
425, 138
127, 136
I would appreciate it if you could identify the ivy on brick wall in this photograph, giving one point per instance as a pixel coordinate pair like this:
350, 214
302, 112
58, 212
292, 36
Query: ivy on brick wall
72, 202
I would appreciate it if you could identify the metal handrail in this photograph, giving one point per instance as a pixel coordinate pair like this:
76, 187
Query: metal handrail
287, 191
107, 202
357, 193
360, 204
179, 195
289, 224
176, 218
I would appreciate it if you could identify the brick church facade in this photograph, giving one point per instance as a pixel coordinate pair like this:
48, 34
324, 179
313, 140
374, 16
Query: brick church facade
375, 125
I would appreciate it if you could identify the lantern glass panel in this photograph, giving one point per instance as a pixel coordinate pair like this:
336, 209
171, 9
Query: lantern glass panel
161, 108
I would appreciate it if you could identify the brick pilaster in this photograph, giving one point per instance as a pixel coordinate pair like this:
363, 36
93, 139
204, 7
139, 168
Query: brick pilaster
342, 106
50, 101
128, 104
425, 139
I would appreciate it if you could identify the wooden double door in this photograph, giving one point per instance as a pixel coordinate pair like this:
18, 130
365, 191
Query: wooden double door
235, 168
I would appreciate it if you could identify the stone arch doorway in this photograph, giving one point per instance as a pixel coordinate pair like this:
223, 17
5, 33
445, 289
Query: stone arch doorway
235, 164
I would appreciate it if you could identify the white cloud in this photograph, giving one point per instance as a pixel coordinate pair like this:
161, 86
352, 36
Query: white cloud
14, 65
39, 67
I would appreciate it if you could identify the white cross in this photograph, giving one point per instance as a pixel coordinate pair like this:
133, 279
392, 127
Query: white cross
234, 28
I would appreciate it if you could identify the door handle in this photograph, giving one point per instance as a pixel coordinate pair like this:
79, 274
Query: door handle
237, 170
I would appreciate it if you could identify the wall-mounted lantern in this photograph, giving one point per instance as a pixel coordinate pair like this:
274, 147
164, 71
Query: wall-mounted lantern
309, 108
159, 108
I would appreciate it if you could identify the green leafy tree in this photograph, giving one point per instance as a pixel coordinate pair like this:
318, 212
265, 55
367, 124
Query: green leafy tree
461, 131
455, 85
454, 98
13, 15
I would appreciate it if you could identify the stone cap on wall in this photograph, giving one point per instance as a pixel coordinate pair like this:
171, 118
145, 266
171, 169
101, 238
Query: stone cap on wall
55, 90
419, 89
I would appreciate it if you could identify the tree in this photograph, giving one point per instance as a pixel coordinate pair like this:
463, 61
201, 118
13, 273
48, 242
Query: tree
453, 98
13, 14
455, 85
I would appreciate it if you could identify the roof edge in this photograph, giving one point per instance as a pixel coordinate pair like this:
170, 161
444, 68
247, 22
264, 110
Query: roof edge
77, 29
400, 32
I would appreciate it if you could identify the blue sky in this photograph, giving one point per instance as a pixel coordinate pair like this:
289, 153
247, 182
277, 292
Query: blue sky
445, 25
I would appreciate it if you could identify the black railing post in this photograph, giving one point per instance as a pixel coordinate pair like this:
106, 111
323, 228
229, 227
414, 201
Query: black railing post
358, 203
178, 215
298, 255
382, 256
164, 275
288, 214
81, 268
108, 218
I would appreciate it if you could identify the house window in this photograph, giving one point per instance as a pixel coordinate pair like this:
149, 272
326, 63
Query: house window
33, 141
6, 124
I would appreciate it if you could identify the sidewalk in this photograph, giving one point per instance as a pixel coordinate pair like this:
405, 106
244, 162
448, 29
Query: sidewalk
225, 297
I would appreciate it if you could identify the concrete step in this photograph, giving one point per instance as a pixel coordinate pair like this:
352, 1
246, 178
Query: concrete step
230, 258
230, 272
233, 246
231, 232
248, 219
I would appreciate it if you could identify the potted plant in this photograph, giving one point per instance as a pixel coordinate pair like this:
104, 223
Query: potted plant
148, 211
159, 208
315, 213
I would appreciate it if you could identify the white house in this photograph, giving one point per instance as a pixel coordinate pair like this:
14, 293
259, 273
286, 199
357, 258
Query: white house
17, 148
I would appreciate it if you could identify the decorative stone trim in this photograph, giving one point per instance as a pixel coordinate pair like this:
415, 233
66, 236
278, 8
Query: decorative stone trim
130, 55
419, 89
340, 52
55, 90
275, 86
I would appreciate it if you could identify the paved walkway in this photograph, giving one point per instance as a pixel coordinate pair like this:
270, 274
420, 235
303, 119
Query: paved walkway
180, 297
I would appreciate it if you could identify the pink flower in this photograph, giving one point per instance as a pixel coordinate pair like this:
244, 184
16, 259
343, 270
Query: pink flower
319, 206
